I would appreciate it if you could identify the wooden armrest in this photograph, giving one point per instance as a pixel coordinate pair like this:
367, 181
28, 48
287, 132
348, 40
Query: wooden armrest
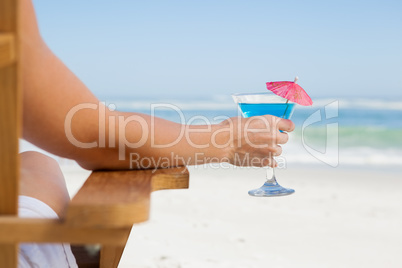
121, 198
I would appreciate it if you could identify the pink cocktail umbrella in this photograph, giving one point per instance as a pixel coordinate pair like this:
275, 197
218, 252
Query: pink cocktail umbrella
290, 91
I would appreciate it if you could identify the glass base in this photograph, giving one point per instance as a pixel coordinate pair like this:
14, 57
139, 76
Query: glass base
270, 189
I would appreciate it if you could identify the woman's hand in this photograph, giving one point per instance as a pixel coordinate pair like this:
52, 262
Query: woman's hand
255, 141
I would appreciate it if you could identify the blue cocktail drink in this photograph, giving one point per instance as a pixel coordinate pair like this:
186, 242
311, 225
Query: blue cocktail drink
283, 110
262, 104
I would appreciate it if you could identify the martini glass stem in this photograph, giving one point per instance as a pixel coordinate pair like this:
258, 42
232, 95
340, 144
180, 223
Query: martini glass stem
271, 179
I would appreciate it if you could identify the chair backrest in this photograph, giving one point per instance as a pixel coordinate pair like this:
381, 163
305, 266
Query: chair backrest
10, 119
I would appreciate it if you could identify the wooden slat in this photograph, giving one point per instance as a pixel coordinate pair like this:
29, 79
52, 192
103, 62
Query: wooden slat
110, 256
8, 256
8, 15
10, 119
121, 198
9, 133
18, 230
9, 161
7, 49
10, 104
10, 107
166, 179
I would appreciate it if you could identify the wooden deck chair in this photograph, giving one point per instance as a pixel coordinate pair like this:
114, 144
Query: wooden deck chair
104, 209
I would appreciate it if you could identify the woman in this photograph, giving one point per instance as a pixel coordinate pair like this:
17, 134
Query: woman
63, 117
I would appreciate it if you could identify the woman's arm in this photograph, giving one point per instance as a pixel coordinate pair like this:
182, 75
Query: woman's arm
63, 117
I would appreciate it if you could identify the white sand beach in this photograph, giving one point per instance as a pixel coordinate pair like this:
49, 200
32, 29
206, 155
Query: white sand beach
338, 217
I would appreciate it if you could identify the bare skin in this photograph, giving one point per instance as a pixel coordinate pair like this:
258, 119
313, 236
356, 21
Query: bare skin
51, 91
42, 179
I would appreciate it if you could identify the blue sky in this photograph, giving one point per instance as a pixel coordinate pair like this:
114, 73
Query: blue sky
201, 48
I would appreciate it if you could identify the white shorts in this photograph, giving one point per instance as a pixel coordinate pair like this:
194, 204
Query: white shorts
42, 255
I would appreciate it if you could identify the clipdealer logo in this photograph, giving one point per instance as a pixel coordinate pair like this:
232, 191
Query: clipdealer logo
330, 153
113, 133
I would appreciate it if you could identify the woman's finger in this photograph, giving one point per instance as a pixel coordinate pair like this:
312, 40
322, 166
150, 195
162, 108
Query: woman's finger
282, 138
286, 125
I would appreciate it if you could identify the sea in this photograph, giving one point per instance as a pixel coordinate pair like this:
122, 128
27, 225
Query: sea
333, 132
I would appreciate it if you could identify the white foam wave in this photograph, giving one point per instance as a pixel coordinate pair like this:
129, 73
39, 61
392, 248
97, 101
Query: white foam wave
356, 156
361, 104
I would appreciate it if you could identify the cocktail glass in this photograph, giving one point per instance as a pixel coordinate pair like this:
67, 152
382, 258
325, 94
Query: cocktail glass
256, 104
